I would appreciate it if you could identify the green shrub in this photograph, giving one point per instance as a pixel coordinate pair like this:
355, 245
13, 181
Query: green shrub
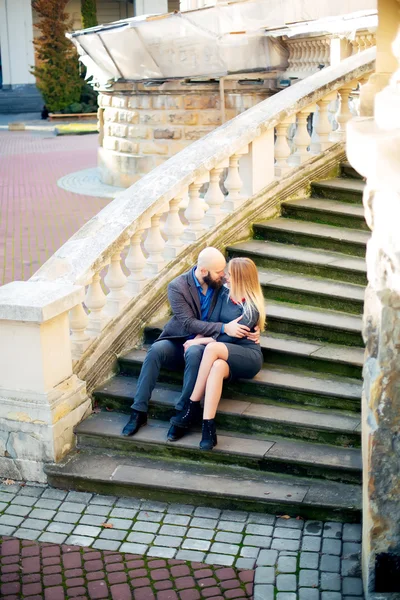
57, 68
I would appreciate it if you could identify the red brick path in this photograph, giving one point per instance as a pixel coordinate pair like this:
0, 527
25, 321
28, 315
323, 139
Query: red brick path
50, 572
36, 216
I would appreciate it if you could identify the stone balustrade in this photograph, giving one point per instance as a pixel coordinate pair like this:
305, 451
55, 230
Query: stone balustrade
111, 276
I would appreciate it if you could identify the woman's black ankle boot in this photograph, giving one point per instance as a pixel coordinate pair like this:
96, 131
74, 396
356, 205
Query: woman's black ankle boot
188, 417
209, 435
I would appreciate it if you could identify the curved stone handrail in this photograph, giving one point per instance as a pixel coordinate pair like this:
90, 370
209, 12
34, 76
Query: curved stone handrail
91, 248
64, 328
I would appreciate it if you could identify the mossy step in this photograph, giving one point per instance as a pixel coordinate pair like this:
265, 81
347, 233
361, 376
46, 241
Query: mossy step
307, 261
344, 189
348, 171
314, 235
314, 323
240, 414
211, 485
297, 352
330, 212
276, 454
312, 291
276, 383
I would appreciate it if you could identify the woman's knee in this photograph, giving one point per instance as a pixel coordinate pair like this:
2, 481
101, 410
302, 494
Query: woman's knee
220, 367
213, 349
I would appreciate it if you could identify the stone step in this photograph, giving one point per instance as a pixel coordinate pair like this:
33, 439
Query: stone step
329, 212
275, 454
314, 323
312, 291
307, 261
296, 351
226, 486
346, 190
275, 383
348, 171
239, 413
314, 235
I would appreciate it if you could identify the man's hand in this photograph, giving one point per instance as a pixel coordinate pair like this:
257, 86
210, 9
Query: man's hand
189, 343
235, 330
254, 337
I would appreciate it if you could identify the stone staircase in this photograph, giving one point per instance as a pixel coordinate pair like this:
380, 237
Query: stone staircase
288, 440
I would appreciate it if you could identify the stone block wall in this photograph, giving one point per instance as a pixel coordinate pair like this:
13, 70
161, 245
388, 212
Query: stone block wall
142, 126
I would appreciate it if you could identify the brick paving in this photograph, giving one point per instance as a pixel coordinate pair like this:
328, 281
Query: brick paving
36, 216
293, 559
52, 572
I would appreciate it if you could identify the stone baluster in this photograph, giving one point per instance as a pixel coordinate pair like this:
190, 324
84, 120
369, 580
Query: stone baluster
80, 339
303, 57
314, 55
154, 244
115, 280
296, 56
344, 113
282, 148
195, 212
302, 139
174, 229
96, 301
135, 263
214, 197
233, 183
323, 126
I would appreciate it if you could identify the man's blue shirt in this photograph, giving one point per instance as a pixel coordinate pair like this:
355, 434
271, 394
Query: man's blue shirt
205, 299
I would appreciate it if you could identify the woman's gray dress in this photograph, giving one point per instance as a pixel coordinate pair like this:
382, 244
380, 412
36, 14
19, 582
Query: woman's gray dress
245, 357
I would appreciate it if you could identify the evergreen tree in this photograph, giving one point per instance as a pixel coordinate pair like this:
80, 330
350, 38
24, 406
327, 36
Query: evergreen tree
57, 67
89, 13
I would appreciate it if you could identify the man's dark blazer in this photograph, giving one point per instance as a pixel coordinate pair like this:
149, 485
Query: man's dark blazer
185, 303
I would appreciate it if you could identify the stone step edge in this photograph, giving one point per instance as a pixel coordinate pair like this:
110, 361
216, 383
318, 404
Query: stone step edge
263, 493
235, 408
351, 184
317, 283
298, 314
268, 343
137, 357
298, 250
340, 208
316, 230
91, 428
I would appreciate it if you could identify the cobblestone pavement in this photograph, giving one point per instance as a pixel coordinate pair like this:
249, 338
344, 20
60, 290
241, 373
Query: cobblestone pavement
294, 559
31, 570
36, 216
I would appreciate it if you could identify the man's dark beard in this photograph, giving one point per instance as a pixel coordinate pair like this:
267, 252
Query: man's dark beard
214, 285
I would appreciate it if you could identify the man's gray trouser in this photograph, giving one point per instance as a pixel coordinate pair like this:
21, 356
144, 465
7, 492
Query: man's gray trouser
170, 355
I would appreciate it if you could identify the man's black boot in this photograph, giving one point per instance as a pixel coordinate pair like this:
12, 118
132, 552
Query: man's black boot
175, 433
137, 420
189, 417
209, 435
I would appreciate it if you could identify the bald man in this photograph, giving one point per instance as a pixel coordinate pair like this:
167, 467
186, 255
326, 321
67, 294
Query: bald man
192, 297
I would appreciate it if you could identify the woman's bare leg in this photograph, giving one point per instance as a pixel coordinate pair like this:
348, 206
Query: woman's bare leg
215, 380
213, 352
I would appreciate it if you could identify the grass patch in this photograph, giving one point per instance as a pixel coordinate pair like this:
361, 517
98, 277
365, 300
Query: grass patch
76, 129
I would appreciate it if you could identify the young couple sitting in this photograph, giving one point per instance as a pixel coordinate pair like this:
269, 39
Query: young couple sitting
214, 334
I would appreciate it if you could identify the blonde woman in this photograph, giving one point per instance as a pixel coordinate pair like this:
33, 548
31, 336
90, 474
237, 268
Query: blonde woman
227, 357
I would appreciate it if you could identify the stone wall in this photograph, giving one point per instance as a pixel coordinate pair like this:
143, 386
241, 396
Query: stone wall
142, 126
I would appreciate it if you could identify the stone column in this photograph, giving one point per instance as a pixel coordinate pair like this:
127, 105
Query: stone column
373, 148
41, 400
385, 62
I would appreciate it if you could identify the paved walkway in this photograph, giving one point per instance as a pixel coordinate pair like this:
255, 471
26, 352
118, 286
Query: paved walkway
36, 216
293, 559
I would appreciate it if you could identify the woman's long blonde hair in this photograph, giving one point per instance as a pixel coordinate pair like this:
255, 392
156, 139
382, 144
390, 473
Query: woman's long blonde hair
245, 285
